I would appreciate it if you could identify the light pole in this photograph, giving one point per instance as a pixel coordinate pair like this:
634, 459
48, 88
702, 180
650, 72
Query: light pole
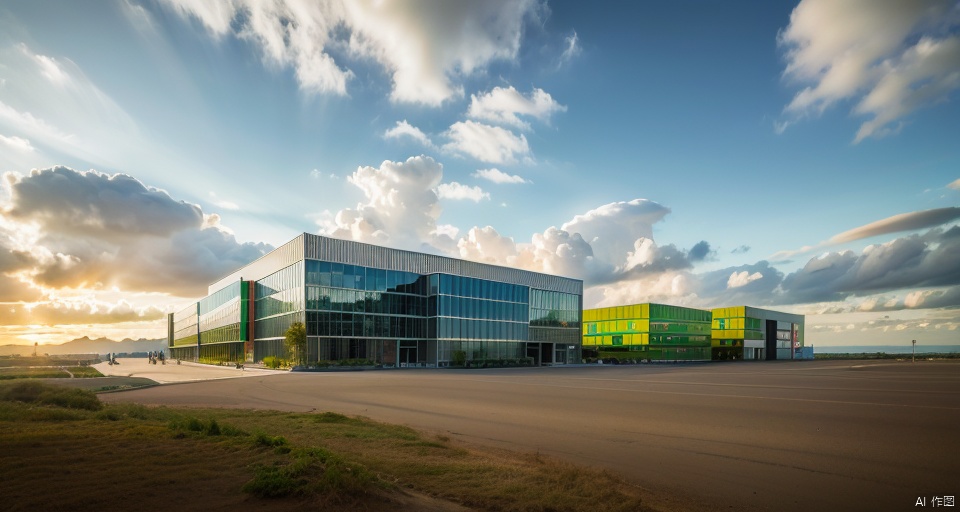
913, 358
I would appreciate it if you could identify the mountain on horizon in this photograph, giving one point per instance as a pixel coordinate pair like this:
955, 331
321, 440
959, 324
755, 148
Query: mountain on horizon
85, 345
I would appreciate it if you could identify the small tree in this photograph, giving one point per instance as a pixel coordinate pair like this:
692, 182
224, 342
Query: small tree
296, 341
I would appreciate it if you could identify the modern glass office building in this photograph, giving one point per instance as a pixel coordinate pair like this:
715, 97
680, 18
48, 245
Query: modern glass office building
389, 306
744, 332
652, 332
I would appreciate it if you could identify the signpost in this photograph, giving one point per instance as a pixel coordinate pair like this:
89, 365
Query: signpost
913, 358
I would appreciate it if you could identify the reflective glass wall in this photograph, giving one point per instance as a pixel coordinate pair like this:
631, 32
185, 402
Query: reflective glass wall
477, 319
279, 302
362, 313
185, 333
222, 319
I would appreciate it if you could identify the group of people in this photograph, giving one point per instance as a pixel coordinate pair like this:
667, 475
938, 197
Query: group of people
157, 356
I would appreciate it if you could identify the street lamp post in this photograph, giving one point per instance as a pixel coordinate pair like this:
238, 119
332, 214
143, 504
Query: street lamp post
913, 358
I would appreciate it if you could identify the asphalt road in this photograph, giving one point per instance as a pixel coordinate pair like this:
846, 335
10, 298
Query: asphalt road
728, 436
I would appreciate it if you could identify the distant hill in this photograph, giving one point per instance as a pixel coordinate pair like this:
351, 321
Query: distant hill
85, 345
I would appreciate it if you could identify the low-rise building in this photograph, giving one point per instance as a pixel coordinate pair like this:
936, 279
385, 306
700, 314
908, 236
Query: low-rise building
744, 332
381, 305
649, 332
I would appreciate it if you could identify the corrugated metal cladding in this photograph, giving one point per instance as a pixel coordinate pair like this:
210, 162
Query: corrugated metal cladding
766, 314
356, 253
277, 259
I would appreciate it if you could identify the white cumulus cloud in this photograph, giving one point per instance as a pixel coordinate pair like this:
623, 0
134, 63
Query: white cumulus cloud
890, 58
504, 105
427, 47
17, 143
738, 279
401, 207
497, 176
456, 190
486, 143
405, 129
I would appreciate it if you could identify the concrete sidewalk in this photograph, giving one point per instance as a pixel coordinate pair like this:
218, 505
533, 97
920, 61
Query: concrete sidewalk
173, 372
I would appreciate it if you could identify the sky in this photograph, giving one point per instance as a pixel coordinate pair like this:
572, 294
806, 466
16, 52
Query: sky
802, 157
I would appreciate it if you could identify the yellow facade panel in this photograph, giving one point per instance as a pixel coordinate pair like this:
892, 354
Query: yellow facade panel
643, 325
727, 334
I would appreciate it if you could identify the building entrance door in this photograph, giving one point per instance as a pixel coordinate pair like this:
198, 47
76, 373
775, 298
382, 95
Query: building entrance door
546, 353
561, 354
533, 351
408, 353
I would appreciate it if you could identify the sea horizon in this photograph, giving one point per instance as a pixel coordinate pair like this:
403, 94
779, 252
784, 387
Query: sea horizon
889, 349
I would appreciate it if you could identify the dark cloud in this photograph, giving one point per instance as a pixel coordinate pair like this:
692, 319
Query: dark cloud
760, 289
12, 290
741, 250
700, 251
948, 298
900, 223
100, 231
917, 261
62, 200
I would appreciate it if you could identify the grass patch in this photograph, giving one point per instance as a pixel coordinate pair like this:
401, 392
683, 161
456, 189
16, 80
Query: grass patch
33, 373
33, 392
84, 372
166, 457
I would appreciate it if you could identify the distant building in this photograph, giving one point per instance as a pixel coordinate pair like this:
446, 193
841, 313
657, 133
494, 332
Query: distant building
744, 332
653, 332
659, 332
388, 306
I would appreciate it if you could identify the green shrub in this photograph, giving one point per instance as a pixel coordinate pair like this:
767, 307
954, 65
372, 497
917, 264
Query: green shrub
262, 439
213, 429
34, 392
273, 362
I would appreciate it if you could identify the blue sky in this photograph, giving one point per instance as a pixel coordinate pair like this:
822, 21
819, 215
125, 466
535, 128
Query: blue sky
798, 156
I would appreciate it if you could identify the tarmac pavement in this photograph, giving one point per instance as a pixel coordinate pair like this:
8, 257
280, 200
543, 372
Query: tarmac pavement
811, 435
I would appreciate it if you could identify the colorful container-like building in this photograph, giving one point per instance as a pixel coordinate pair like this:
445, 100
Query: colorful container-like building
651, 332
744, 332
660, 332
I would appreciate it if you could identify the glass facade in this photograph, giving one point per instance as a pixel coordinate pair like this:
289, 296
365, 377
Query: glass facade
185, 327
213, 329
445, 312
278, 302
655, 332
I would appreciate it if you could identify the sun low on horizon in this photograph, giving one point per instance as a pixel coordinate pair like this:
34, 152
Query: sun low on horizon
707, 155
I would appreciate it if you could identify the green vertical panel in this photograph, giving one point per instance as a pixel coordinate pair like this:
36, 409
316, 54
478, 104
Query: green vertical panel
244, 304
198, 323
